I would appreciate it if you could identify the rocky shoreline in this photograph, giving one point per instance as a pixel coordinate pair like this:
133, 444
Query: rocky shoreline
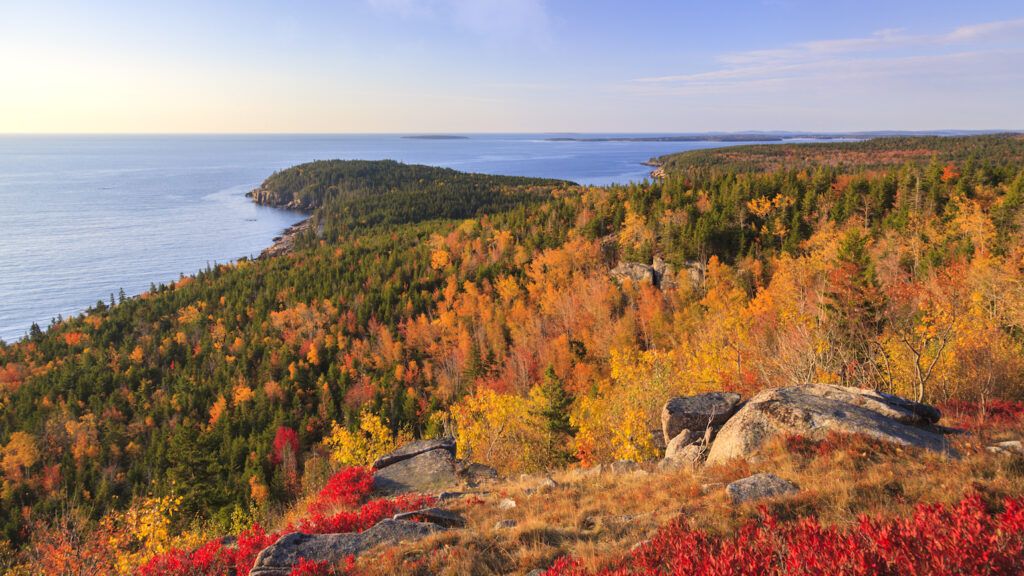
284, 243
659, 170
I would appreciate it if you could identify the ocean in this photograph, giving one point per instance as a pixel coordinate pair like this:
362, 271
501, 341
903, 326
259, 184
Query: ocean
83, 217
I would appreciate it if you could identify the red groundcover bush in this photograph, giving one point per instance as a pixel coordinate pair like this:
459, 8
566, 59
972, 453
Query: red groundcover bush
994, 414
349, 487
935, 541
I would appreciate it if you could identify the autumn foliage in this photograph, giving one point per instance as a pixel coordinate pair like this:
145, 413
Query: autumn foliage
937, 540
341, 506
484, 307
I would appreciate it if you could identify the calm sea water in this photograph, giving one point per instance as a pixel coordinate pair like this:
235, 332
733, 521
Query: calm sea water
82, 217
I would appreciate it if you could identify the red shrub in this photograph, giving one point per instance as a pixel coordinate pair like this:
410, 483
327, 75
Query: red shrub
347, 488
212, 557
351, 487
976, 416
833, 442
935, 541
366, 516
248, 547
807, 447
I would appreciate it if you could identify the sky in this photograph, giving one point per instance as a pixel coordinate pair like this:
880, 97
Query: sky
209, 66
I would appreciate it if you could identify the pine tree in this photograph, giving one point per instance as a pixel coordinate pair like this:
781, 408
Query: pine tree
854, 305
555, 413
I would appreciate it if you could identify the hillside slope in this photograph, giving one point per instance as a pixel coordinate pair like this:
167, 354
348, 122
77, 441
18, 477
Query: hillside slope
425, 301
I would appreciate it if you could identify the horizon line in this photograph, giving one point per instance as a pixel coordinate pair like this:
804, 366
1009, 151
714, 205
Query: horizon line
978, 131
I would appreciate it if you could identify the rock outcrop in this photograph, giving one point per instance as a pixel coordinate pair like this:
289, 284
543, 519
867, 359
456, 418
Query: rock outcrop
664, 275
658, 273
816, 410
690, 423
697, 413
473, 474
421, 466
634, 271
1010, 447
759, 487
284, 243
279, 558
413, 449
438, 516
681, 442
687, 449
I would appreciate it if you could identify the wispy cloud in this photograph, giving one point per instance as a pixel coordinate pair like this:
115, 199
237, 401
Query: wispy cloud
987, 30
503, 18
885, 53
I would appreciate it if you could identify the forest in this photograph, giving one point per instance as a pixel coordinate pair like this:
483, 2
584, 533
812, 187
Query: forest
425, 301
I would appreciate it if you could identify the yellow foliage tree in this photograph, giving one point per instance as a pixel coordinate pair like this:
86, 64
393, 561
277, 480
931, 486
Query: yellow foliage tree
19, 455
372, 440
635, 237
146, 530
506, 431
439, 259
619, 420
241, 394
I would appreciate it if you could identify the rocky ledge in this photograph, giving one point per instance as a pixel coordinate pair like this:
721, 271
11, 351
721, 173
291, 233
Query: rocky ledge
281, 557
716, 427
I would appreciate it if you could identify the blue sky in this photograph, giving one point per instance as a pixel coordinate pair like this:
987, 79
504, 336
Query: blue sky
509, 65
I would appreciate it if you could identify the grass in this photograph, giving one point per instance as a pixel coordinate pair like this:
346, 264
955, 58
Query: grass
596, 517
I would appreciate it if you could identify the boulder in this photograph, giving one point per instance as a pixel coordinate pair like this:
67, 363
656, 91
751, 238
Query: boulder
697, 412
428, 471
413, 449
899, 409
759, 487
439, 516
547, 484
816, 410
542, 486
621, 467
658, 439
505, 524
1007, 447
279, 558
685, 438
602, 520
689, 456
474, 473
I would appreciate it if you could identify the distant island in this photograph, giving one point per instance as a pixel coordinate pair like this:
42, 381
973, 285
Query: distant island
684, 138
436, 137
